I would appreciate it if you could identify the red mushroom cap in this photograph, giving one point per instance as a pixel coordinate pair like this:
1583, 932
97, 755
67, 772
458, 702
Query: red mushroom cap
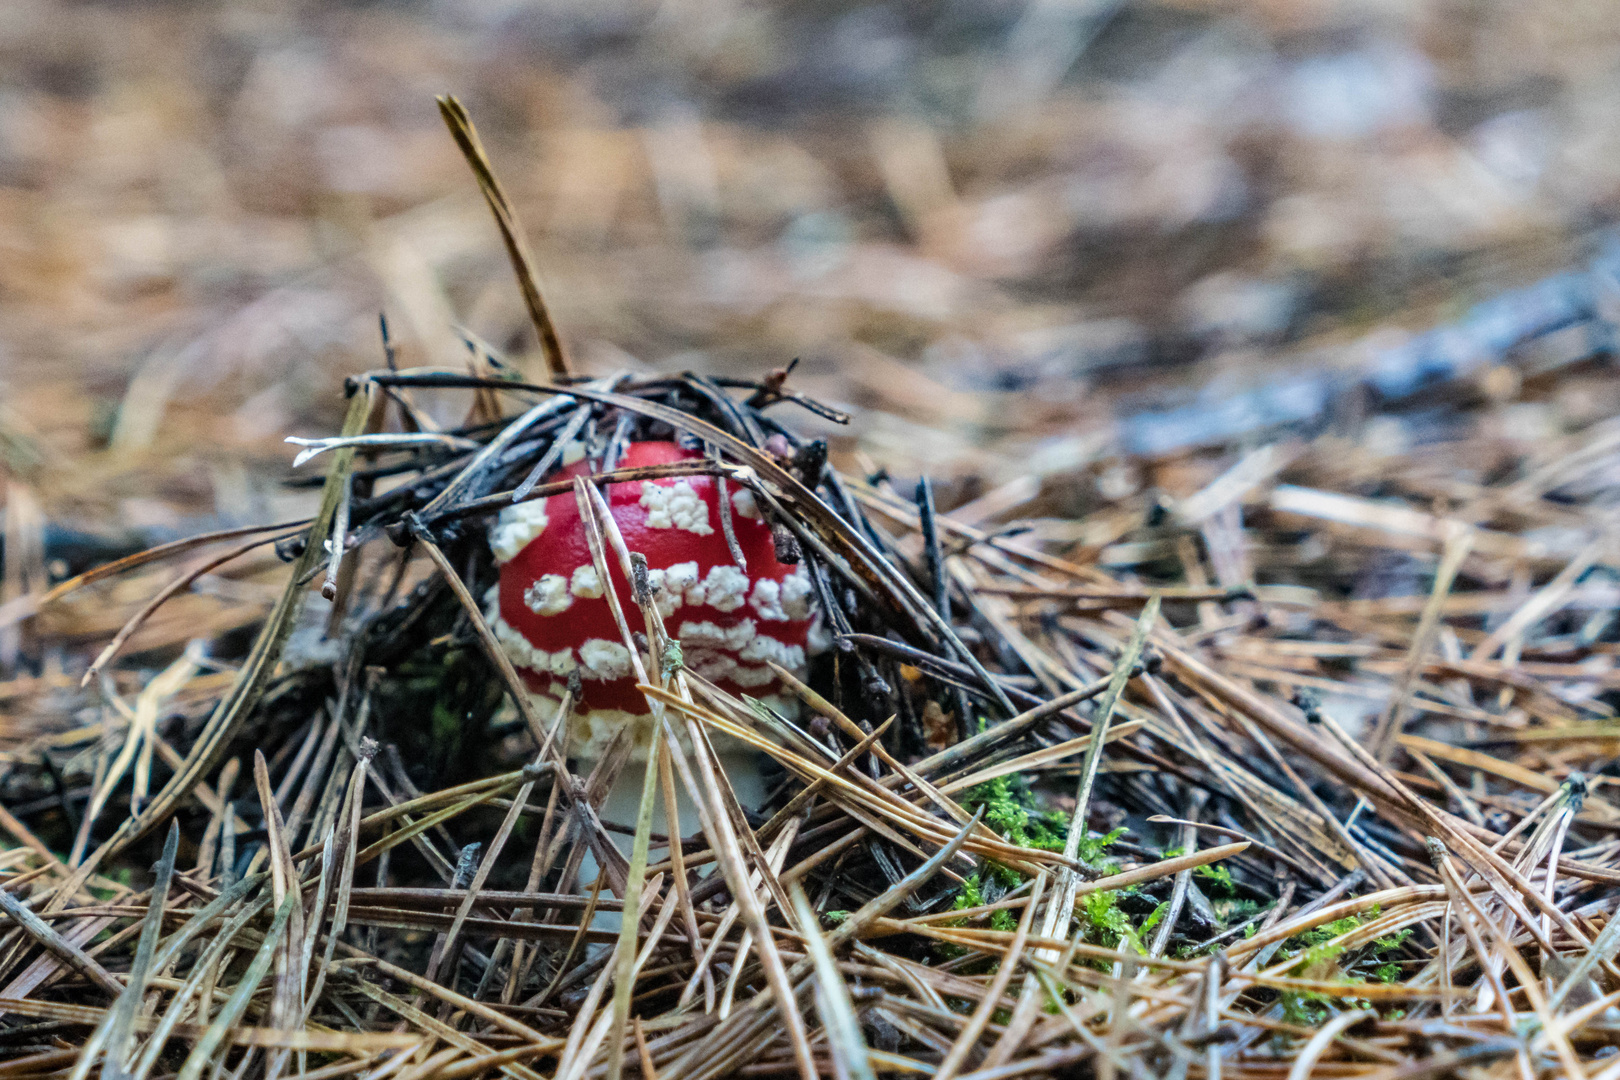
553, 620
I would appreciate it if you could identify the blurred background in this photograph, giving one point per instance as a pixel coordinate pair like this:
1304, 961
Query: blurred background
994, 230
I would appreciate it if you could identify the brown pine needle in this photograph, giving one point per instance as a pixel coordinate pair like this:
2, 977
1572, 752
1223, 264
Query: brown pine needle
517, 247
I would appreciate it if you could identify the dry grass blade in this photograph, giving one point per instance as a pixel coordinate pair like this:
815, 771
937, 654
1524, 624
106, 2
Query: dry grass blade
65, 951
839, 1022
1603, 949
1056, 920
992, 995
1391, 720
466, 136
180, 583
623, 975
202, 1054
141, 734
159, 553
203, 970
121, 1018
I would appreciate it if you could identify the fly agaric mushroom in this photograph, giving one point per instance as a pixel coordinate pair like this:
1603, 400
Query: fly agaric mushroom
550, 615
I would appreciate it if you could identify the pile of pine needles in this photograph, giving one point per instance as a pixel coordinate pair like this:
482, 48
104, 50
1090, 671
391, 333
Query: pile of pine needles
1299, 773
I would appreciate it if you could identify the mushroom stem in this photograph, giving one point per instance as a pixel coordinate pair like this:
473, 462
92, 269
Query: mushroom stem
624, 799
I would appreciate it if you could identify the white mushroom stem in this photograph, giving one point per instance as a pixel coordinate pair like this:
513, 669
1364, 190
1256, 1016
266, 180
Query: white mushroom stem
624, 797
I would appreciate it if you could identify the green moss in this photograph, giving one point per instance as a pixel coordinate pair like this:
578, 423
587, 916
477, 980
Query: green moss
1154, 918
1393, 942
436, 707
972, 896
446, 724
1321, 952
1005, 876
969, 897
1009, 809
673, 660
1315, 947
1307, 1008
1313, 944
1219, 879
1108, 925
1091, 847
